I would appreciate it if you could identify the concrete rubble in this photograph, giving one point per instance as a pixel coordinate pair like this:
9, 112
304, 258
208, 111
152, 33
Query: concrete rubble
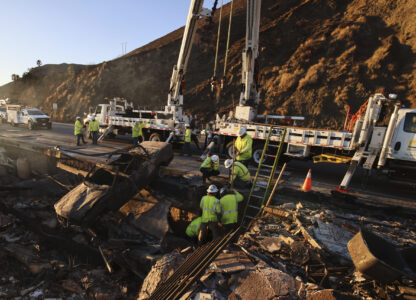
296, 250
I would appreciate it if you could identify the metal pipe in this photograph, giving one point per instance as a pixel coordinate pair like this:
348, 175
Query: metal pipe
388, 137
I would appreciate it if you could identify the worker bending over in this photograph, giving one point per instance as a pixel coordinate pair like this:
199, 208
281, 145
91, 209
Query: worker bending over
243, 146
93, 127
137, 132
241, 176
229, 208
78, 131
186, 148
192, 231
210, 206
210, 167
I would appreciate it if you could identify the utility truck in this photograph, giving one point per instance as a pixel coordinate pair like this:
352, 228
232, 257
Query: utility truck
363, 142
31, 117
167, 124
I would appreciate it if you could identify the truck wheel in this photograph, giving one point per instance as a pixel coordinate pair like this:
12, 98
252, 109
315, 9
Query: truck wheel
155, 137
30, 125
257, 151
229, 149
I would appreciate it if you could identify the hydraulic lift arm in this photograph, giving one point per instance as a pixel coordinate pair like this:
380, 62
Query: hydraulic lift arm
175, 99
249, 94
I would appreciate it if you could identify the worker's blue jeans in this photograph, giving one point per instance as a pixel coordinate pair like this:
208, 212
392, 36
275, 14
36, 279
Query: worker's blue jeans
79, 138
186, 149
94, 136
137, 140
207, 173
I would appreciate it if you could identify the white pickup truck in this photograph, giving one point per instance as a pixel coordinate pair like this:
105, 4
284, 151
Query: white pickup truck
30, 117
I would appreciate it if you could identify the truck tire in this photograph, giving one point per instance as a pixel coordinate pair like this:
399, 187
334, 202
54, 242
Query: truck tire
155, 137
257, 151
229, 149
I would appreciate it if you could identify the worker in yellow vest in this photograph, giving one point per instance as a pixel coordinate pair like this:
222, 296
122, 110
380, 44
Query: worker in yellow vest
210, 206
78, 131
241, 176
210, 167
229, 208
186, 148
192, 231
93, 128
243, 146
137, 132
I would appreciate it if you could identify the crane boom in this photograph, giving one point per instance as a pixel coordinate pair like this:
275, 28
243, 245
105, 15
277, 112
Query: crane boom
249, 97
175, 99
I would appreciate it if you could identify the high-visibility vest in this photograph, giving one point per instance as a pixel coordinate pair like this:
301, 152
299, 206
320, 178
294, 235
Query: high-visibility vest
241, 172
229, 208
78, 127
137, 129
207, 163
188, 134
94, 126
193, 229
244, 145
210, 206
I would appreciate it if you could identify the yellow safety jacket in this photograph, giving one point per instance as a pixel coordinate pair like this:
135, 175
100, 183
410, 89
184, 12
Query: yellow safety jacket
244, 145
193, 229
207, 163
188, 134
94, 126
138, 129
78, 127
229, 208
210, 206
241, 172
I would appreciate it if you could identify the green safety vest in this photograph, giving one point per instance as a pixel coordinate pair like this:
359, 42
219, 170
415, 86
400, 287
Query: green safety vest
210, 206
188, 134
78, 127
244, 145
241, 172
193, 229
94, 126
229, 208
207, 163
138, 129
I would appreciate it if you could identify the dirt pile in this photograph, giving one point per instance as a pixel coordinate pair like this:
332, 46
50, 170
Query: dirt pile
317, 57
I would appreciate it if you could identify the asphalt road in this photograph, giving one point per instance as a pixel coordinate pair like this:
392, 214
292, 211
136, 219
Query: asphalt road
322, 173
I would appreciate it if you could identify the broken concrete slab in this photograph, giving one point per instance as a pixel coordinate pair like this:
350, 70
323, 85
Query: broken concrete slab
329, 295
231, 262
160, 271
109, 186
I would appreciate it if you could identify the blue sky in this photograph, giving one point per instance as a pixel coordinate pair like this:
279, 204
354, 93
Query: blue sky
81, 31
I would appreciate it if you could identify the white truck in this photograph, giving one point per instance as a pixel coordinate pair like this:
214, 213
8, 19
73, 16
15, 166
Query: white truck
363, 142
30, 117
167, 124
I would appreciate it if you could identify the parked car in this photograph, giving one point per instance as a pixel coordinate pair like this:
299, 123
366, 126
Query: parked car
31, 117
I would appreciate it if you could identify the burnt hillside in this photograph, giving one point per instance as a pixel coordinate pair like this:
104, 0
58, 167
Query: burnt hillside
316, 57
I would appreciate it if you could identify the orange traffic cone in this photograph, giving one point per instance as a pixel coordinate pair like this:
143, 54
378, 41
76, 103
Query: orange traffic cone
307, 185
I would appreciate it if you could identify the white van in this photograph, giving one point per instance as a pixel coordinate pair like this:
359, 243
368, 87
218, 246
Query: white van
30, 117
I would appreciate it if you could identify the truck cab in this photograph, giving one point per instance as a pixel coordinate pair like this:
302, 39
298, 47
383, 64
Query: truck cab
101, 113
403, 144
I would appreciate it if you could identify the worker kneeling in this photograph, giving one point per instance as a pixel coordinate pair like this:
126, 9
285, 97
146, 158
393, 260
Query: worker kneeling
210, 206
229, 208
210, 167
192, 231
241, 176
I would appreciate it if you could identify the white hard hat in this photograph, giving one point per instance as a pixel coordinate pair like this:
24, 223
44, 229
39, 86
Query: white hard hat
215, 158
186, 125
242, 131
228, 163
78, 117
93, 118
210, 122
212, 189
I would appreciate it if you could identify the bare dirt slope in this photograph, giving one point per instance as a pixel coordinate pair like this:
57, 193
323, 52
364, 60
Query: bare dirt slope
317, 56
